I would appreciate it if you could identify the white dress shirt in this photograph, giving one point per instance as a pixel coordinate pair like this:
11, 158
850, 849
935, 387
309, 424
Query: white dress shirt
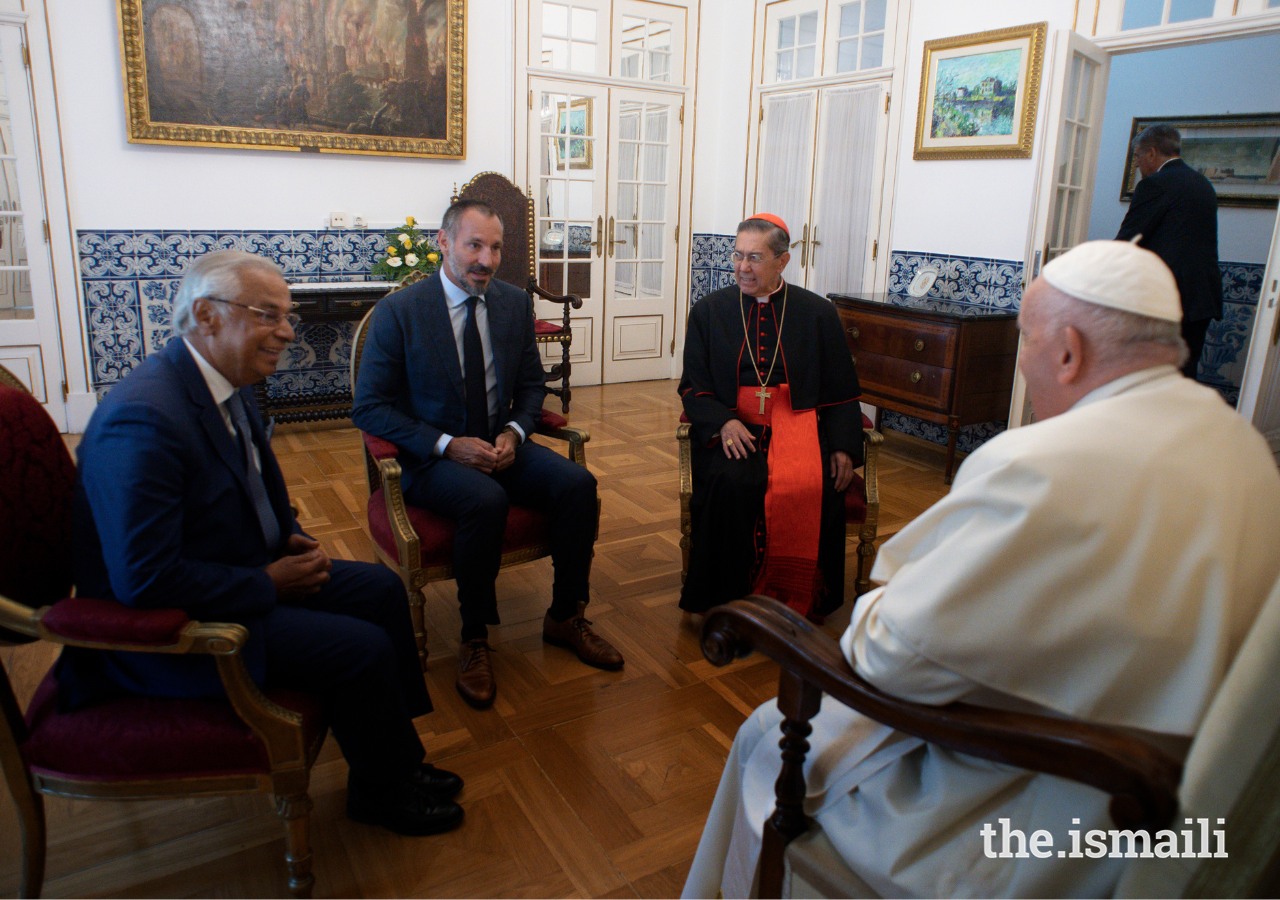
221, 389
455, 299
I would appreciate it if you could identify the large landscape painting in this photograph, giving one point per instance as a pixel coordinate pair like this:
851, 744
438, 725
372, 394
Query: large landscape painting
978, 94
348, 76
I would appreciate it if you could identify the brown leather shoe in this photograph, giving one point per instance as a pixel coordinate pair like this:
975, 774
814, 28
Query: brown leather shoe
575, 634
475, 674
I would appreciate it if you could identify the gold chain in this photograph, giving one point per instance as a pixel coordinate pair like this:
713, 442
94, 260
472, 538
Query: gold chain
777, 351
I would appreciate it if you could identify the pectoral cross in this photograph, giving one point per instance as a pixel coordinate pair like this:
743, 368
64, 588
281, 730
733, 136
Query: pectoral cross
763, 395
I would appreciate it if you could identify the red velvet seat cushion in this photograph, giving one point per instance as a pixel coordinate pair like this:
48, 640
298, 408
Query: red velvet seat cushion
132, 738
525, 528
551, 420
35, 503
543, 327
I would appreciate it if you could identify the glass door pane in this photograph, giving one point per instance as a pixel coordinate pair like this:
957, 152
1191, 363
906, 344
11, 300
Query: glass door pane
15, 276
649, 41
569, 203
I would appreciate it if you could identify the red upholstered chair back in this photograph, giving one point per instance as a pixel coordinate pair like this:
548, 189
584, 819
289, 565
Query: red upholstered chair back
37, 478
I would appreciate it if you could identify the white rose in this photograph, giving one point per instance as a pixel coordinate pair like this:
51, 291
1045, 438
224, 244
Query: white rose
411, 259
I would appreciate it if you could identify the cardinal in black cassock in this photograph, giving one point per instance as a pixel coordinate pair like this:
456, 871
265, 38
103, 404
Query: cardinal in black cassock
731, 358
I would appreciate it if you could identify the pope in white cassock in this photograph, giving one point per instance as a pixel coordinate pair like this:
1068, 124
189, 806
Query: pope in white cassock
1104, 563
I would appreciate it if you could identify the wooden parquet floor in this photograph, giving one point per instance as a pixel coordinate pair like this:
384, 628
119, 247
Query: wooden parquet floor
578, 782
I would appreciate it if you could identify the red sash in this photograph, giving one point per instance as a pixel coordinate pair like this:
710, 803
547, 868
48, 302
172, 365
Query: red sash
793, 499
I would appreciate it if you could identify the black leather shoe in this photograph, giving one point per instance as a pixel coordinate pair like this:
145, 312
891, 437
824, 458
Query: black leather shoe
438, 781
407, 808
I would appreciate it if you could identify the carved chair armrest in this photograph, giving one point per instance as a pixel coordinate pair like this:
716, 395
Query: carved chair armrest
571, 300
1142, 780
871, 441
109, 625
686, 460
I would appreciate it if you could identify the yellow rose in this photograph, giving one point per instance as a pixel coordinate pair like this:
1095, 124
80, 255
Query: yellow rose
433, 256
391, 250
410, 221
406, 240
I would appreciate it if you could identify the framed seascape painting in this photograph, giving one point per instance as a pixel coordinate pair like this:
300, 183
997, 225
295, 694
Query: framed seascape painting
331, 76
979, 93
1239, 154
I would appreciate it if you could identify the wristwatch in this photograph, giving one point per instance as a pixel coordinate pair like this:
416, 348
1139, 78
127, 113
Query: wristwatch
512, 429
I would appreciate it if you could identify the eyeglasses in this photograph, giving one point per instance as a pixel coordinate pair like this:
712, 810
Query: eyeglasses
754, 258
269, 317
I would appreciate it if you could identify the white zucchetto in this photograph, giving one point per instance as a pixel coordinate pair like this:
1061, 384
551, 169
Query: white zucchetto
1117, 274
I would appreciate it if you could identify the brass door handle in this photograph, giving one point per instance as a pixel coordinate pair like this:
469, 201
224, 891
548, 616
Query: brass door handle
804, 246
611, 241
915, 377
855, 333
598, 243
919, 345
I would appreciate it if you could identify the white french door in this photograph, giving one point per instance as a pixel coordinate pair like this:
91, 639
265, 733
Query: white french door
29, 337
1067, 165
821, 164
643, 196
607, 204
607, 165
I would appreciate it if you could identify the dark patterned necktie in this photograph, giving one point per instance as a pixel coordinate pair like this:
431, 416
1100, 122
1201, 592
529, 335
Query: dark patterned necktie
257, 487
473, 376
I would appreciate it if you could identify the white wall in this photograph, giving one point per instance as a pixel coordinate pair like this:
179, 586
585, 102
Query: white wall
967, 207
1239, 76
118, 185
724, 104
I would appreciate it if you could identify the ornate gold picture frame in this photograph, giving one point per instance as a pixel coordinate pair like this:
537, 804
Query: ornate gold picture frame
363, 76
979, 94
1239, 154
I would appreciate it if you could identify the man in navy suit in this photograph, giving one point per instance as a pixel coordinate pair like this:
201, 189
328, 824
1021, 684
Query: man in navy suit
1175, 210
180, 503
452, 376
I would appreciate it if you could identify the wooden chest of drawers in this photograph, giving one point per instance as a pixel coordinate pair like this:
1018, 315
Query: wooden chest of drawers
948, 363
330, 301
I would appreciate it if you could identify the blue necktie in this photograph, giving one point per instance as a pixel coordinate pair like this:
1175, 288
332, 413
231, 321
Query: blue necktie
257, 487
473, 376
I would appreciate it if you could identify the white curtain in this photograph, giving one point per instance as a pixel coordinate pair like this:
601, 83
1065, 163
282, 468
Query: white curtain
844, 188
785, 166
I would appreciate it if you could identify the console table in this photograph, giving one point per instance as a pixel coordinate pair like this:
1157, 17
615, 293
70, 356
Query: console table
331, 301
948, 363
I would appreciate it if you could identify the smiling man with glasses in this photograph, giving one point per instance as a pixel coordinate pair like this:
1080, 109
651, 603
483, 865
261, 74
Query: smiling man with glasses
770, 389
181, 503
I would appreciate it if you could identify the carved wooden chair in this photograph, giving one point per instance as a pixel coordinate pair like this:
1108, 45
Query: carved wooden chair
861, 502
419, 544
128, 747
519, 267
1232, 770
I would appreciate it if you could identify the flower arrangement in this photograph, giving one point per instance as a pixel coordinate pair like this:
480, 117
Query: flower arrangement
408, 251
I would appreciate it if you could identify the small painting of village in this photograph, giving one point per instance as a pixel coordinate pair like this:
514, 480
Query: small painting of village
976, 95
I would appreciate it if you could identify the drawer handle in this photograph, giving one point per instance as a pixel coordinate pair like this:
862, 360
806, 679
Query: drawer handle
919, 345
854, 333
356, 304
915, 377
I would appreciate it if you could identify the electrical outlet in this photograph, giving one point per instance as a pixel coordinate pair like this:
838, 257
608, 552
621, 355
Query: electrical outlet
339, 220
359, 222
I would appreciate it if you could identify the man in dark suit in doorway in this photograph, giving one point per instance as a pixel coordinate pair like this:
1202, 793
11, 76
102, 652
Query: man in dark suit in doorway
1174, 214
180, 503
452, 376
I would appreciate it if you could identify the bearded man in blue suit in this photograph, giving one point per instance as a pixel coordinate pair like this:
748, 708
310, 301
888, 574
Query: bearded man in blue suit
180, 503
452, 376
